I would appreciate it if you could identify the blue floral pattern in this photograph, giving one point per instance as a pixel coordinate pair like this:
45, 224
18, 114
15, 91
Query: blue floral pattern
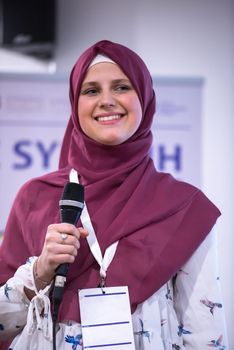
75, 341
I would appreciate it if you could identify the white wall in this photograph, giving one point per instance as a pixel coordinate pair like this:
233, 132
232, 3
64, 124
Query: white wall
175, 38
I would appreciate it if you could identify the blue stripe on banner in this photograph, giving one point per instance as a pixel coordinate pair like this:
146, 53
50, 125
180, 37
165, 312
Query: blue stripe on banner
105, 324
102, 294
104, 345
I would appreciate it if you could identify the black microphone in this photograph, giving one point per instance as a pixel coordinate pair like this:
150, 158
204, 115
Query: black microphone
71, 205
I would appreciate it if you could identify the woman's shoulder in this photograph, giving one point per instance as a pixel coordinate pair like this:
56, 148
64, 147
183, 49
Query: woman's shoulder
55, 178
179, 190
40, 185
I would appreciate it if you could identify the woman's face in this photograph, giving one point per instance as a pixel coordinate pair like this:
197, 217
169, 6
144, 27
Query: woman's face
108, 108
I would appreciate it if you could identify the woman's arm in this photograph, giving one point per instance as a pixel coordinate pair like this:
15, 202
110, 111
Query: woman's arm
198, 300
14, 303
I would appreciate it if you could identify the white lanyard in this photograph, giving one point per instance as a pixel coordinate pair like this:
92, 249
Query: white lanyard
105, 261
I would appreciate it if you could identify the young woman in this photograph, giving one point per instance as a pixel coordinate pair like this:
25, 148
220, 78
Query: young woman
155, 233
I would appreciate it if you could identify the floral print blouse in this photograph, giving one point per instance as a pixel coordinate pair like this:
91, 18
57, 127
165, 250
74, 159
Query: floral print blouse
185, 314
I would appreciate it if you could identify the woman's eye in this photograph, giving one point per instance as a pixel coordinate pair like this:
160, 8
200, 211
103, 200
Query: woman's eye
90, 91
123, 88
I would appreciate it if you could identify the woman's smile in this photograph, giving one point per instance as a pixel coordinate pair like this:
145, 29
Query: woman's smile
109, 119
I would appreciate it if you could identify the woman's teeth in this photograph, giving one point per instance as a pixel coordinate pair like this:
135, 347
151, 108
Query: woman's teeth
108, 118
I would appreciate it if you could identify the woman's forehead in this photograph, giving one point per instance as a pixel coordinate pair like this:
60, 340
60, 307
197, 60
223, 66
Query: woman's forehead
104, 71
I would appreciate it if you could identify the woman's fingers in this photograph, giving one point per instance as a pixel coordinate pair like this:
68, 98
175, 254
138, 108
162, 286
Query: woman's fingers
61, 245
83, 232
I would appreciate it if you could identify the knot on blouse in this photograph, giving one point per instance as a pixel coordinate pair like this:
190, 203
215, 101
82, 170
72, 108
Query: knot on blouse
39, 315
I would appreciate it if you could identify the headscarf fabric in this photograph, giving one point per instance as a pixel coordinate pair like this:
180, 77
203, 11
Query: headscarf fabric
158, 221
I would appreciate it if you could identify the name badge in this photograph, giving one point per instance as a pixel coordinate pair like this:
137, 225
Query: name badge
106, 318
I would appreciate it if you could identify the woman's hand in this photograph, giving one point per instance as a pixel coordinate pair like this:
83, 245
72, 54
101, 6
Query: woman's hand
62, 242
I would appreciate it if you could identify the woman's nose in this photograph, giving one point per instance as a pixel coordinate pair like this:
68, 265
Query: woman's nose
107, 100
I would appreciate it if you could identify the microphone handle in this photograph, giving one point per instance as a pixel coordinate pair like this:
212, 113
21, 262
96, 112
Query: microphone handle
62, 270
71, 216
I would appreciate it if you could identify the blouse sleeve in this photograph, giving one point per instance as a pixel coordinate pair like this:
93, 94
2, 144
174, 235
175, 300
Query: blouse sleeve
198, 301
16, 310
17, 256
13, 301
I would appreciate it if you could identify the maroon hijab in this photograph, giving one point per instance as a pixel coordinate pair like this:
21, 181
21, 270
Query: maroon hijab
158, 220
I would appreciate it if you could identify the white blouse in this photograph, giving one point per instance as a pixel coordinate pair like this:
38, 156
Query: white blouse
186, 313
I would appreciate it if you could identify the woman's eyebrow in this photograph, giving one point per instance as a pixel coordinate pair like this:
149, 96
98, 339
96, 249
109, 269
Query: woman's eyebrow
89, 83
121, 81
113, 82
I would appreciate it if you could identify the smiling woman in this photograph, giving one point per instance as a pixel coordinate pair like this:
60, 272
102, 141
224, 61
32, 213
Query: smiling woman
109, 109
145, 257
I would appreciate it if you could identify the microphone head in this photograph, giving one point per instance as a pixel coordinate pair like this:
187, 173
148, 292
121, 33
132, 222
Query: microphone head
74, 192
71, 203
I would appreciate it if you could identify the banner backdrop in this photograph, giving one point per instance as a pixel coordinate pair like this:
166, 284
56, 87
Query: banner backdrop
34, 111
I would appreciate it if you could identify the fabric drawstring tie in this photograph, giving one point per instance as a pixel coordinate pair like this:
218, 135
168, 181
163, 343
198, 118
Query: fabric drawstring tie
39, 315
